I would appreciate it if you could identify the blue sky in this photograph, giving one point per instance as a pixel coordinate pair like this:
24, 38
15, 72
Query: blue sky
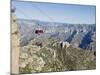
66, 13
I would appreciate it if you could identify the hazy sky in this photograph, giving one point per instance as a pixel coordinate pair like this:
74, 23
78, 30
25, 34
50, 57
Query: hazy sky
66, 13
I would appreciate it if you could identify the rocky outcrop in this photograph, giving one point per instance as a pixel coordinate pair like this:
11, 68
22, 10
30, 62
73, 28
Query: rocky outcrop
52, 57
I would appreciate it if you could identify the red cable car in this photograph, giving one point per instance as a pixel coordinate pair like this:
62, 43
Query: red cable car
39, 31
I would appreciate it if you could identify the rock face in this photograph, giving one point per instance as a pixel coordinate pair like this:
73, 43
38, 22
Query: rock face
75, 34
15, 45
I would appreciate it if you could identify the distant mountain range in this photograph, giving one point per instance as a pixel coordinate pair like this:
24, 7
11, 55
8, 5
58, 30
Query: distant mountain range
78, 35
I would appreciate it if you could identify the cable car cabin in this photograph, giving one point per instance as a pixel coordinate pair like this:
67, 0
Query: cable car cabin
39, 31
